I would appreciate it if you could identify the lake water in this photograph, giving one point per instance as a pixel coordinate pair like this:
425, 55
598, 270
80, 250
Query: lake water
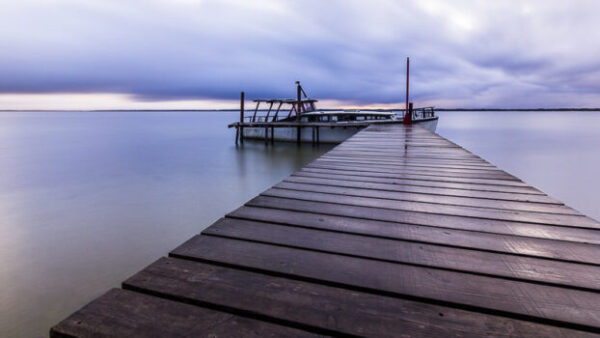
89, 198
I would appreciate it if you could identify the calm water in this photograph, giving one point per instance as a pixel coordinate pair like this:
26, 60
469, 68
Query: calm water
87, 199
557, 152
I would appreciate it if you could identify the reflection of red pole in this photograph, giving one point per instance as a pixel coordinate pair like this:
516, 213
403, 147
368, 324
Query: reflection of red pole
407, 114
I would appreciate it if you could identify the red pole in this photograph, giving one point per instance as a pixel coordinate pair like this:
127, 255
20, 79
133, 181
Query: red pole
407, 114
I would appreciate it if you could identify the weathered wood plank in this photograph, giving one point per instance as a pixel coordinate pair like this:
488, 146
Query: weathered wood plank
414, 171
414, 154
416, 177
403, 150
423, 183
548, 304
427, 198
427, 190
513, 244
342, 154
565, 274
463, 160
440, 209
442, 221
324, 307
122, 313
401, 164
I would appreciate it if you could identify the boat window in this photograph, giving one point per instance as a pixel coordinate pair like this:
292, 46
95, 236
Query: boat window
308, 106
360, 118
334, 118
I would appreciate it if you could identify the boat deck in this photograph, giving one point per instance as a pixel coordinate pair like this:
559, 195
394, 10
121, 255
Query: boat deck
395, 232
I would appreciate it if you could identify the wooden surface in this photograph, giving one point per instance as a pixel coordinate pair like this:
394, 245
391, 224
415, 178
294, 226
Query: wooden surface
395, 232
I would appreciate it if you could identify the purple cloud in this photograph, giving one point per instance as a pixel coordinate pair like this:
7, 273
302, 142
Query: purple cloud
473, 53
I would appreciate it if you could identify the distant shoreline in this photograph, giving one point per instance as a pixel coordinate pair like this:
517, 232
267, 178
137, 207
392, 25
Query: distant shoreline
326, 109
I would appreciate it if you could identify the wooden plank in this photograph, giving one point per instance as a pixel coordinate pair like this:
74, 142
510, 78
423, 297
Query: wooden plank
439, 209
404, 163
122, 313
512, 244
359, 140
547, 304
395, 160
412, 154
323, 307
565, 274
405, 149
424, 183
416, 177
441, 221
414, 171
384, 145
428, 190
433, 199
408, 143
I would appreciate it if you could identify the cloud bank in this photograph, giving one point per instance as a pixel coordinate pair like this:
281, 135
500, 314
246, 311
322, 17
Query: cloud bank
468, 54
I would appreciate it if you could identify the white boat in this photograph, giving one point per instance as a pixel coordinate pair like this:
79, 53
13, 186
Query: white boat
316, 126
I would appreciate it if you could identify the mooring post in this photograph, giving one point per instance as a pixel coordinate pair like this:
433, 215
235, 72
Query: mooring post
407, 116
266, 134
241, 129
298, 110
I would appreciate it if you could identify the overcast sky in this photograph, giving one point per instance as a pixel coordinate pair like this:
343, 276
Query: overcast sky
203, 53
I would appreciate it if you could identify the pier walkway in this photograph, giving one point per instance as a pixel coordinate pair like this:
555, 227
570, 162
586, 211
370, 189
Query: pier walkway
395, 232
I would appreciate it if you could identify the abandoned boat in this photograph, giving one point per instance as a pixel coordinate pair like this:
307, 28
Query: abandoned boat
299, 120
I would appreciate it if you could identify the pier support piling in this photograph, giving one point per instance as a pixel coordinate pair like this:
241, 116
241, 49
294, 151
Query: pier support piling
241, 128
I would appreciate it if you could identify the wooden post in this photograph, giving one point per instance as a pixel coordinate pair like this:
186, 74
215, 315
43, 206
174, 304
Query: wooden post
410, 112
237, 134
266, 134
241, 118
318, 139
298, 110
407, 115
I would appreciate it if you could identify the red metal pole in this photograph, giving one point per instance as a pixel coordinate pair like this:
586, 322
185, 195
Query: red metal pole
407, 114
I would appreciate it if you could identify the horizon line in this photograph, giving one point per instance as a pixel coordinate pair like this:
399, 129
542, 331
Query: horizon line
324, 109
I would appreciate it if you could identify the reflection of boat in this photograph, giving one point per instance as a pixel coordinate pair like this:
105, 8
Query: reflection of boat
307, 124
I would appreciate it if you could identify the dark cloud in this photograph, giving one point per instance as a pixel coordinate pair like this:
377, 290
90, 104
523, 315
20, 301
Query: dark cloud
472, 53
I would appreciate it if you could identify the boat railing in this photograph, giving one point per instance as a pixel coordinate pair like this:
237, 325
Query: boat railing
423, 113
276, 110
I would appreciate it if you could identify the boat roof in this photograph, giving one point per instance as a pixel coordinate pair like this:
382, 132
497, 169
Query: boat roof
284, 100
352, 112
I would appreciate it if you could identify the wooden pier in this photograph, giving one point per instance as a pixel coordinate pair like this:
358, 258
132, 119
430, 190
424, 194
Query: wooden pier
395, 232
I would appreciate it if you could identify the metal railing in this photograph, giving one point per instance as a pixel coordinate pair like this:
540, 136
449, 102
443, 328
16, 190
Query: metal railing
423, 113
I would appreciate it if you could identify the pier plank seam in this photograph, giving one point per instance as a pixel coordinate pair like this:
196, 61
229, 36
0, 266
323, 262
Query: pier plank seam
354, 244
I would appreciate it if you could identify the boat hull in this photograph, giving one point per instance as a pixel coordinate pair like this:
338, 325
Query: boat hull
334, 134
